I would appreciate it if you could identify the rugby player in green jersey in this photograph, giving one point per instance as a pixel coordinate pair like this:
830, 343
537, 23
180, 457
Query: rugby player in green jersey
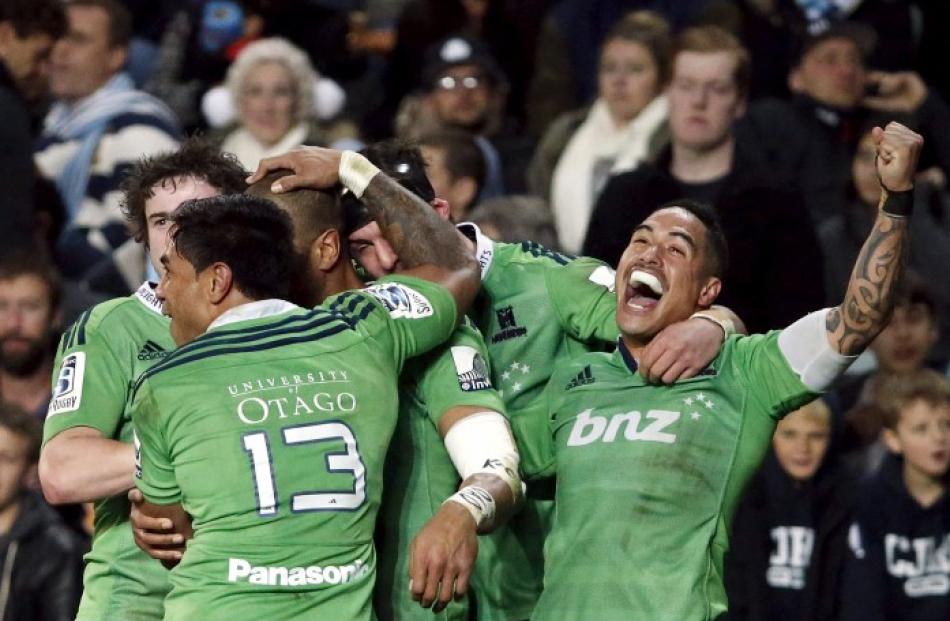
648, 477
567, 307
87, 453
325, 271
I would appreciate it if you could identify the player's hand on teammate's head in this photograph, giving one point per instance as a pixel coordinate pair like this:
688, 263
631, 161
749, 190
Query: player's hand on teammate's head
312, 167
442, 556
155, 535
680, 351
898, 149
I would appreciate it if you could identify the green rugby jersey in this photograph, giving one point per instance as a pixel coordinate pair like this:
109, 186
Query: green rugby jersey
537, 310
648, 478
272, 431
419, 473
99, 357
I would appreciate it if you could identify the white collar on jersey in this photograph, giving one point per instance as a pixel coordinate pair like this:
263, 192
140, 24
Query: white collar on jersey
484, 246
146, 295
253, 310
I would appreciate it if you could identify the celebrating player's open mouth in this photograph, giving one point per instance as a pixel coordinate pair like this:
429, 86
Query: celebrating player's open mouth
643, 292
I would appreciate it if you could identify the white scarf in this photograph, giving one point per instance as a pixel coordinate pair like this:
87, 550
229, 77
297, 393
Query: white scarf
250, 151
597, 150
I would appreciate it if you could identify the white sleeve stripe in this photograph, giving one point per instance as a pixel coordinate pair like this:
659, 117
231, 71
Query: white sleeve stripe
807, 350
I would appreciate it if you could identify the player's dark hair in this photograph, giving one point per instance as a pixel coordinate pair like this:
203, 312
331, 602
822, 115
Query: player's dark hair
31, 17
120, 19
462, 156
251, 235
311, 211
717, 248
899, 391
21, 423
196, 158
33, 261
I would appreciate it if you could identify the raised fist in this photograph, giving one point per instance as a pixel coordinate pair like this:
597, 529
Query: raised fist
898, 149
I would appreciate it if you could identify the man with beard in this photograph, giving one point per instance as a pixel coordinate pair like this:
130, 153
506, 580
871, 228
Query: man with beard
29, 320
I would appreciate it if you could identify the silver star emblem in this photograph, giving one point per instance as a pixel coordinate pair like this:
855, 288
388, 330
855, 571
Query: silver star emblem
695, 415
701, 396
515, 365
516, 386
525, 368
688, 401
506, 375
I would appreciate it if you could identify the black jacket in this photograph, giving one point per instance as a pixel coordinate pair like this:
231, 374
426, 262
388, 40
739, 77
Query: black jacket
768, 574
16, 166
40, 566
899, 565
775, 273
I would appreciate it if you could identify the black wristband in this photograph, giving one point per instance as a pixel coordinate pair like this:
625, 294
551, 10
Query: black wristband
898, 204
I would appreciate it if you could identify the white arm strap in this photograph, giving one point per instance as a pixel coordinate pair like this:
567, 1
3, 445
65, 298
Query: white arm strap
806, 348
482, 443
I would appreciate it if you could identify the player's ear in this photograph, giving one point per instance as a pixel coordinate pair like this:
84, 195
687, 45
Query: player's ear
325, 250
219, 282
709, 292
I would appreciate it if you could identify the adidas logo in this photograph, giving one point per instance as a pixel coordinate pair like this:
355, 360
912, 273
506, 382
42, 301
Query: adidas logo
583, 378
151, 350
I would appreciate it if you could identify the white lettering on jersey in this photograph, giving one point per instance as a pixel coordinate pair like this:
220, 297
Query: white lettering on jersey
590, 428
924, 561
67, 395
790, 557
401, 301
255, 410
240, 570
605, 277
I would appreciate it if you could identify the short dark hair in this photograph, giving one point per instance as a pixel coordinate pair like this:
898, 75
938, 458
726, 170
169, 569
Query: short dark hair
33, 261
31, 17
196, 158
463, 158
251, 235
403, 162
717, 248
898, 391
311, 211
21, 423
120, 19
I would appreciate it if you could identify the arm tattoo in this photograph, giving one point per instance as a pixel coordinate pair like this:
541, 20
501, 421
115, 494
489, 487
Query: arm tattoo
417, 233
869, 299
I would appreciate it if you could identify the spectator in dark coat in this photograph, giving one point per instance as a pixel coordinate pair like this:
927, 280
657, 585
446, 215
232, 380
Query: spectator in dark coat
775, 254
790, 532
28, 29
40, 559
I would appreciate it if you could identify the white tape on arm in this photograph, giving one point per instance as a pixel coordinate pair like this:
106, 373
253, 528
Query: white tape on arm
478, 502
356, 172
482, 443
806, 348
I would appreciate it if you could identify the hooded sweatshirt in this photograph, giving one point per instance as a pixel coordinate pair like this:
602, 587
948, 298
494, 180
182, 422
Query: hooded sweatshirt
40, 566
899, 565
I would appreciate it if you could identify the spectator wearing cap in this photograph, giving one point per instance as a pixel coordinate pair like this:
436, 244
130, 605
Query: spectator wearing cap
625, 125
811, 139
465, 89
98, 126
456, 167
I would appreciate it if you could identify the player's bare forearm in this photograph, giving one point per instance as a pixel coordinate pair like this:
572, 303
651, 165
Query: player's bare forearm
80, 465
869, 300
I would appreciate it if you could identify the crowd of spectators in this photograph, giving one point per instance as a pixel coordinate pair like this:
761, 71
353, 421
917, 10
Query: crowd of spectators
560, 121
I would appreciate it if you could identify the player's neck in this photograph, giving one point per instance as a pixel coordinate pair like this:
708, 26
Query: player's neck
343, 278
634, 345
29, 392
922, 487
702, 165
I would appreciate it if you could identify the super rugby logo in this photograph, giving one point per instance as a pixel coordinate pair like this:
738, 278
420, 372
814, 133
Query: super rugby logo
67, 395
401, 301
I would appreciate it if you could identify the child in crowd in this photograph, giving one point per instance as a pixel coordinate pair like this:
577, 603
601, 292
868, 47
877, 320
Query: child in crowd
790, 531
899, 566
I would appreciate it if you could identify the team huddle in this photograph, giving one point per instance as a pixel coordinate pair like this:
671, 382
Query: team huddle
475, 430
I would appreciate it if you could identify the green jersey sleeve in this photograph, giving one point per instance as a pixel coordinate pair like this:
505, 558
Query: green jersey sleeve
584, 298
458, 374
154, 473
90, 383
772, 383
534, 434
408, 315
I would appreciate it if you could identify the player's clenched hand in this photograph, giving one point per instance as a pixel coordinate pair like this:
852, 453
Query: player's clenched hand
311, 167
898, 149
155, 535
681, 350
442, 556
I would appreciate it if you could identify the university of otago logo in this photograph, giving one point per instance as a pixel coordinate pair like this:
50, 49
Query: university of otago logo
508, 327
